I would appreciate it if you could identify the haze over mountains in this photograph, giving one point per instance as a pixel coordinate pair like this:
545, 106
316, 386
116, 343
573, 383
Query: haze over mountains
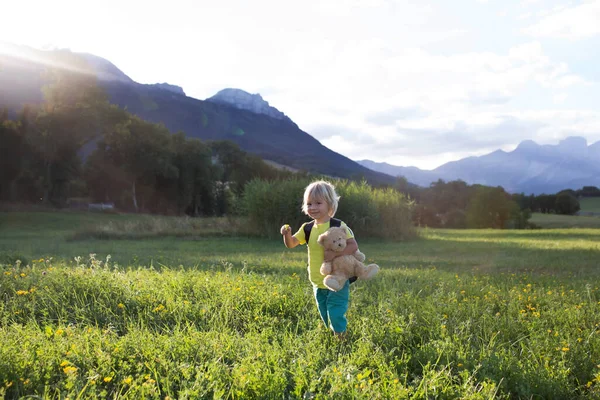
262, 129
530, 168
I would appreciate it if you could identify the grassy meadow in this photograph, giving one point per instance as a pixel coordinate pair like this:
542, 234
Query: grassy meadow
121, 306
590, 204
556, 221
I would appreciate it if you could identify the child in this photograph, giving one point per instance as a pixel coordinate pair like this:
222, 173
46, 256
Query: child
320, 203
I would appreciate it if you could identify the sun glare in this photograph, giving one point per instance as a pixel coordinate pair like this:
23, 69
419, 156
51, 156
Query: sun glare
38, 56
5, 48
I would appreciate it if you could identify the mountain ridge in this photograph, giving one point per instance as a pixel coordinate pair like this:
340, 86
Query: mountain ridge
275, 139
529, 168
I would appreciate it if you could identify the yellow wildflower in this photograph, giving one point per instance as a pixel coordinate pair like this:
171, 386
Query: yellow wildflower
70, 370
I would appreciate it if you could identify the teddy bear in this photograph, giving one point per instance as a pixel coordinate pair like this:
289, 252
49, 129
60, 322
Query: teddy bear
338, 271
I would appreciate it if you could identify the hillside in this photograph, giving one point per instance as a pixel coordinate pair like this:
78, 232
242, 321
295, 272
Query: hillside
22, 76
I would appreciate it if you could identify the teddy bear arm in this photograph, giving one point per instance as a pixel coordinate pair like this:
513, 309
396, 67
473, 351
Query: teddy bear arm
326, 268
360, 256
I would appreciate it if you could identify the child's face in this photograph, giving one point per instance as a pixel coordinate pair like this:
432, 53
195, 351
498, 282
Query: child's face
317, 208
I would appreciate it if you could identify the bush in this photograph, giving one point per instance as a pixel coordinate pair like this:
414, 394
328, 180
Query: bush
455, 219
371, 212
394, 211
566, 204
492, 208
13, 259
270, 204
357, 207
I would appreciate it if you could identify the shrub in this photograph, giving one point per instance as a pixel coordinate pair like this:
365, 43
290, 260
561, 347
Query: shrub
394, 211
270, 204
567, 204
369, 212
357, 206
13, 259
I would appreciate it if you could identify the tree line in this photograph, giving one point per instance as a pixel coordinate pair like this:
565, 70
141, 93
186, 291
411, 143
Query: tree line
78, 145
456, 204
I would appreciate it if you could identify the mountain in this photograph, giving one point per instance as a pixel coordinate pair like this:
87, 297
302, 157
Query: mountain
232, 114
530, 168
246, 101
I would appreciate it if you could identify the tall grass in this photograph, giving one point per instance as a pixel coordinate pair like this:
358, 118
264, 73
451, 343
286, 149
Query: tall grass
382, 213
91, 329
469, 314
270, 204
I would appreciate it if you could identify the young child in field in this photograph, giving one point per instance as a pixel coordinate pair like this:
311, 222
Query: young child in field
320, 203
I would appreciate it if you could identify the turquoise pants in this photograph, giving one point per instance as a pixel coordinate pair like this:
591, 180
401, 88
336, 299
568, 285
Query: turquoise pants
333, 306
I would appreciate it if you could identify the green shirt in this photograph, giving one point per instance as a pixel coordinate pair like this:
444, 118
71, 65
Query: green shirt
316, 252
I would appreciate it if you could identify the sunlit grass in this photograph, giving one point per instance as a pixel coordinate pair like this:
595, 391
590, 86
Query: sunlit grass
456, 314
562, 239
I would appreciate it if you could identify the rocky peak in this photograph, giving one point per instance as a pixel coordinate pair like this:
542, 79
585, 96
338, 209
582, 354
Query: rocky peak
246, 101
170, 88
594, 149
573, 146
528, 145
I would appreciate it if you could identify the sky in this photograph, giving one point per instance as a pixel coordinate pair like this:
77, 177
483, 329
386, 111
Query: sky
410, 83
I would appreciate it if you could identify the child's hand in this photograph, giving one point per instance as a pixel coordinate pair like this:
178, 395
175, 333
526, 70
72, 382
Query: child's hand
285, 229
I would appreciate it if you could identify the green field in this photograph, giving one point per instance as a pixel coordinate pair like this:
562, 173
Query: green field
473, 314
590, 204
552, 221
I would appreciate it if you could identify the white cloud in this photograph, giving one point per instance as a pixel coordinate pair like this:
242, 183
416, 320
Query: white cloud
559, 98
577, 22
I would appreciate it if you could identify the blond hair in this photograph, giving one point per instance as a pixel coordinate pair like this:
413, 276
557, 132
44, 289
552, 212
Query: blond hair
321, 190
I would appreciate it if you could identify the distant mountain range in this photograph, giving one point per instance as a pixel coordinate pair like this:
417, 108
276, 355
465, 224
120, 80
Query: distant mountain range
231, 114
530, 168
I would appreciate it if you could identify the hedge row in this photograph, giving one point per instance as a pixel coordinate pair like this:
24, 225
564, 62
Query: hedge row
370, 212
